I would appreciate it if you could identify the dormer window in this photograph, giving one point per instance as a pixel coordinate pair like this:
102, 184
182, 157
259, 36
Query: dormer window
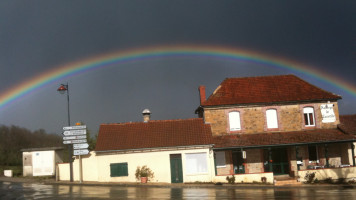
272, 119
234, 121
309, 118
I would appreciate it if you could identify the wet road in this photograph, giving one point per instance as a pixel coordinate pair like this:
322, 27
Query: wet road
9, 190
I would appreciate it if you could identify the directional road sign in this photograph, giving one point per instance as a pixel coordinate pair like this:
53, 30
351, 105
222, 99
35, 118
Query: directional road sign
66, 128
78, 152
75, 137
75, 132
80, 146
74, 141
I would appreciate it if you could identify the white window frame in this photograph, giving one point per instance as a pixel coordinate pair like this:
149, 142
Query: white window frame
307, 111
234, 121
196, 163
272, 118
220, 159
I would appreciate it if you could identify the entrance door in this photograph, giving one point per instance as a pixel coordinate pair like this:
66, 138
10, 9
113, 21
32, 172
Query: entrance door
176, 168
238, 162
276, 160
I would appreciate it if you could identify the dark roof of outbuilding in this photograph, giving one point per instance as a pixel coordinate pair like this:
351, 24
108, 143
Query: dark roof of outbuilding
153, 134
266, 89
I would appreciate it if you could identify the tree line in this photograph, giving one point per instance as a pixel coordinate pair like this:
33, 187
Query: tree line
14, 138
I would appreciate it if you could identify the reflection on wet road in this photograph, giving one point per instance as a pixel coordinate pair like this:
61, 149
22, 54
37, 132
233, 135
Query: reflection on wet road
10, 190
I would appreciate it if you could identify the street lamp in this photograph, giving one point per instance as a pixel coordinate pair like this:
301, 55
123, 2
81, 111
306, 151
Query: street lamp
63, 89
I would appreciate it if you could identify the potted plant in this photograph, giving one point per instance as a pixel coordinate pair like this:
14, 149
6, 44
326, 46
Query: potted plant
144, 174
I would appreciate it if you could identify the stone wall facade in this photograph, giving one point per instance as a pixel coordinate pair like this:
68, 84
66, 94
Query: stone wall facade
253, 118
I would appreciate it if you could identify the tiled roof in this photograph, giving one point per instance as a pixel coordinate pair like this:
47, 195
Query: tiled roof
153, 134
348, 123
266, 89
282, 138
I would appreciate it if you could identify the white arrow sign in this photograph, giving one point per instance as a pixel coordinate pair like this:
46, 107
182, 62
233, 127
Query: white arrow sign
75, 137
78, 152
80, 146
74, 141
66, 128
75, 132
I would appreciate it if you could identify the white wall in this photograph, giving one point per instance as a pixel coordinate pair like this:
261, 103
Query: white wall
43, 163
347, 173
97, 167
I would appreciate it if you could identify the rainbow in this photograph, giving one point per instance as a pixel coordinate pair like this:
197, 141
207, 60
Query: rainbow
216, 52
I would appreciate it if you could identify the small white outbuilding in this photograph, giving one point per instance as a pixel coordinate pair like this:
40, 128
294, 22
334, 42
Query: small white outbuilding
41, 161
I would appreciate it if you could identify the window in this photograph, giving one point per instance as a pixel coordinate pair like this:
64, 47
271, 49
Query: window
313, 154
220, 159
309, 116
271, 117
196, 163
234, 121
118, 169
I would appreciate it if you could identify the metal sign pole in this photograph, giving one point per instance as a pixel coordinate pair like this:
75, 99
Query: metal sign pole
80, 169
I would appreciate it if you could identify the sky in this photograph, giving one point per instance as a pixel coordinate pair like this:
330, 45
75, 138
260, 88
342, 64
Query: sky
38, 36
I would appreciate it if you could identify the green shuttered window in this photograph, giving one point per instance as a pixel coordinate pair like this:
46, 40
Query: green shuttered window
118, 169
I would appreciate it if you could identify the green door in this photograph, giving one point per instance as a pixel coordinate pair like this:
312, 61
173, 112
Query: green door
276, 161
176, 168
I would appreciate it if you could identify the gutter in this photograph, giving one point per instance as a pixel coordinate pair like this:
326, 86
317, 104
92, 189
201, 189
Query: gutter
268, 103
278, 145
153, 149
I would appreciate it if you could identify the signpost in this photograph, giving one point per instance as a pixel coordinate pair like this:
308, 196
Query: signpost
74, 141
80, 146
66, 128
76, 135
75, 132
78, 152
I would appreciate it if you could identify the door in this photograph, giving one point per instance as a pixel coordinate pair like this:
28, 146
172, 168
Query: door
238, 161
276, 161
176, 168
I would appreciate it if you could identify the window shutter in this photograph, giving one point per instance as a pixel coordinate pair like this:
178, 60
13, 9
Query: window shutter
272, 120
118, 169
234, 121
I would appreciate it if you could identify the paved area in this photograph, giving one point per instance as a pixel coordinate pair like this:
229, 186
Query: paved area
35, 188
47, 180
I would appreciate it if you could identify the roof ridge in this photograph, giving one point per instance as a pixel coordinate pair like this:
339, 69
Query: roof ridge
317, 87
259, 76
152, 121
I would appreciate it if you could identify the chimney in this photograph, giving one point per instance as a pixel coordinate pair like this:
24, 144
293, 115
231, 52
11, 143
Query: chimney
202, 94
146, 115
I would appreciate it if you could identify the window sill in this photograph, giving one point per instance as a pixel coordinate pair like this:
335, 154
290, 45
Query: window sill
272, 129
309, 127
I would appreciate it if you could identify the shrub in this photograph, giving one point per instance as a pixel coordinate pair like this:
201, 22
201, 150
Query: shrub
230, 180
144, 171
341, 180
309, 177
263, 179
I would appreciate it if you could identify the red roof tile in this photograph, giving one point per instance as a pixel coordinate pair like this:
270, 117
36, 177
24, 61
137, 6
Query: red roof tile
282, 138
266, 89
153, 134
348, 124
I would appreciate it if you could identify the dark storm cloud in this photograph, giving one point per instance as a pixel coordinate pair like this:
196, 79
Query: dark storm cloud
39, 35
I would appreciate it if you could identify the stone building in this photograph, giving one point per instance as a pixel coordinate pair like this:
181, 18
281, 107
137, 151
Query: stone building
279, 124
255, 128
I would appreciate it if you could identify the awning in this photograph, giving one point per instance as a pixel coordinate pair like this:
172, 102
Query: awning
273, 139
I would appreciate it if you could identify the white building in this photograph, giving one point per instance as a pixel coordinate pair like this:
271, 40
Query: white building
41, 161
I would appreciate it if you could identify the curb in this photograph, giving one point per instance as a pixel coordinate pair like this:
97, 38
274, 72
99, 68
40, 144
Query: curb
168, 185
